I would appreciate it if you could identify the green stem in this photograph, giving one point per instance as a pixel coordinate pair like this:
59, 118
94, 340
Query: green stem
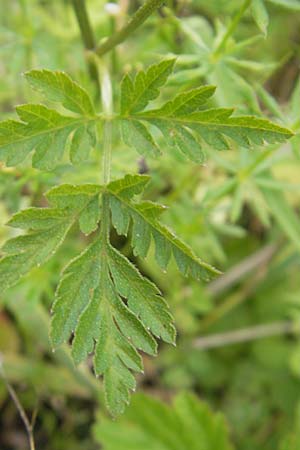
107, 145
87, 36
105, 219
107, 105
137, 20
234, 23
84, 24
255, 262
248, 334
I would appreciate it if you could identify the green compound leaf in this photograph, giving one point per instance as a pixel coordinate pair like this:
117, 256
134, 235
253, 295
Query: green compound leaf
102, 300
112, 310
90, 301
46, 131
183, 122
151, 424
47, 229
144, 217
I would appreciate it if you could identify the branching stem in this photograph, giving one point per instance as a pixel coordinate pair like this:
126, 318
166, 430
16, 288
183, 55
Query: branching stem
88, 39
136, 21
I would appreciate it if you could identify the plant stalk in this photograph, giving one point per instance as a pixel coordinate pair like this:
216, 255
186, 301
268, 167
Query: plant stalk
253, 262
88, 37
245, 335
234, 23
107, 105
28, 425
136, 21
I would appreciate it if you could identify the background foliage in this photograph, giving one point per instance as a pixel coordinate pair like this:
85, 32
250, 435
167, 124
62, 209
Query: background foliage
239, 210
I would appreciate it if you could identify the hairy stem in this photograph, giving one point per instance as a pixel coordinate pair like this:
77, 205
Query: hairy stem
28, 425
245, 335
137, 20
231, 28
87, 36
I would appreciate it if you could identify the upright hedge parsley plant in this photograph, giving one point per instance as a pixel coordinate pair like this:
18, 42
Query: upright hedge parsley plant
110, 307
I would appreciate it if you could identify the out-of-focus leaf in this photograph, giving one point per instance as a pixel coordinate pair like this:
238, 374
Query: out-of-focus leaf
284, 214
152, 425
260, 15
293, 5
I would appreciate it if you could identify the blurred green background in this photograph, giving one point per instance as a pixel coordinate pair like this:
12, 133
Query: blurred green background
240, 211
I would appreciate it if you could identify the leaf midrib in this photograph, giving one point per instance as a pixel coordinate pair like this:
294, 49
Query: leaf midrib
52, 130
135, 283
185, 122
